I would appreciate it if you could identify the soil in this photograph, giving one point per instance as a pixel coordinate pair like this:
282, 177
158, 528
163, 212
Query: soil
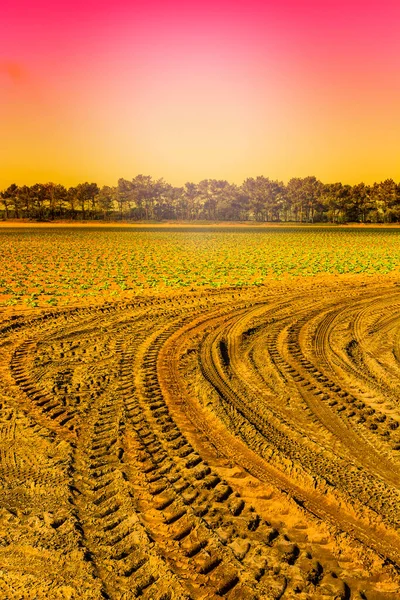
26, 223
236, 444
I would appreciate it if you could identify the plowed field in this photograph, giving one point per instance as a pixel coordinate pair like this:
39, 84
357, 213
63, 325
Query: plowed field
235, 443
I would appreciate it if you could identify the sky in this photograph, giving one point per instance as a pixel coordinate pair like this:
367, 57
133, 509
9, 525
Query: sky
94, 90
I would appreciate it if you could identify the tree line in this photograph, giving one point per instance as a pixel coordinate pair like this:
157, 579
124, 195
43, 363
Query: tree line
301, 200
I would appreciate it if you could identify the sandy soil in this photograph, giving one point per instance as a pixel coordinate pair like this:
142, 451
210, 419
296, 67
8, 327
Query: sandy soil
25, 223
239, 444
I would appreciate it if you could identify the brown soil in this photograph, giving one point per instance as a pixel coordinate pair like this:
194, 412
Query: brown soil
226, 444
26, 223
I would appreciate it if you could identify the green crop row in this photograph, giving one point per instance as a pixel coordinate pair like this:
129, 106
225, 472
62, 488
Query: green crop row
53, 266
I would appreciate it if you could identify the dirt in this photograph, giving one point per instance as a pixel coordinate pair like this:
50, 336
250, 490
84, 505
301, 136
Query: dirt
235, 444
26, 223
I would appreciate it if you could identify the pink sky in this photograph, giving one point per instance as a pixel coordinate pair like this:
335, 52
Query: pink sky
190, 90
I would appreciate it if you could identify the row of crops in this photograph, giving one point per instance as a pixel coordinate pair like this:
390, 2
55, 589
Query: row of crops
44, 267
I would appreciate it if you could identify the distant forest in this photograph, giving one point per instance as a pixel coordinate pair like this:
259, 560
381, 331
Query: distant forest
301, 200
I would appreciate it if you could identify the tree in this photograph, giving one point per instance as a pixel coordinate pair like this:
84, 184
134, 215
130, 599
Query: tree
337, 199
262, 194
190, 198
282, 204
5, 198
239, 205
385, 199
205, 200
85, 194
56, 195
25, 201
362, 203
145, 192
72, 199
254, 197
10, 200
211, 194
303, 195
261, 198
39, 197
60, 198
170, 201
105, 200
124, 195
225, 195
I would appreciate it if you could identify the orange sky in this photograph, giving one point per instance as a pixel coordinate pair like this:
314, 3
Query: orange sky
96, 90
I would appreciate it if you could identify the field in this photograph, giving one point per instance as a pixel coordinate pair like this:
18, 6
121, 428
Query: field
57, 266
199, 413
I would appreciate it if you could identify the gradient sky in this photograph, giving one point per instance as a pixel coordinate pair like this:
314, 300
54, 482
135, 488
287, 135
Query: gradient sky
186, 90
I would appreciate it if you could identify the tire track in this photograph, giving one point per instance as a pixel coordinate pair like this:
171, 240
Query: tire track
163, 415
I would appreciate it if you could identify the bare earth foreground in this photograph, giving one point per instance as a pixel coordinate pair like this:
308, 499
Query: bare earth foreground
237, 444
